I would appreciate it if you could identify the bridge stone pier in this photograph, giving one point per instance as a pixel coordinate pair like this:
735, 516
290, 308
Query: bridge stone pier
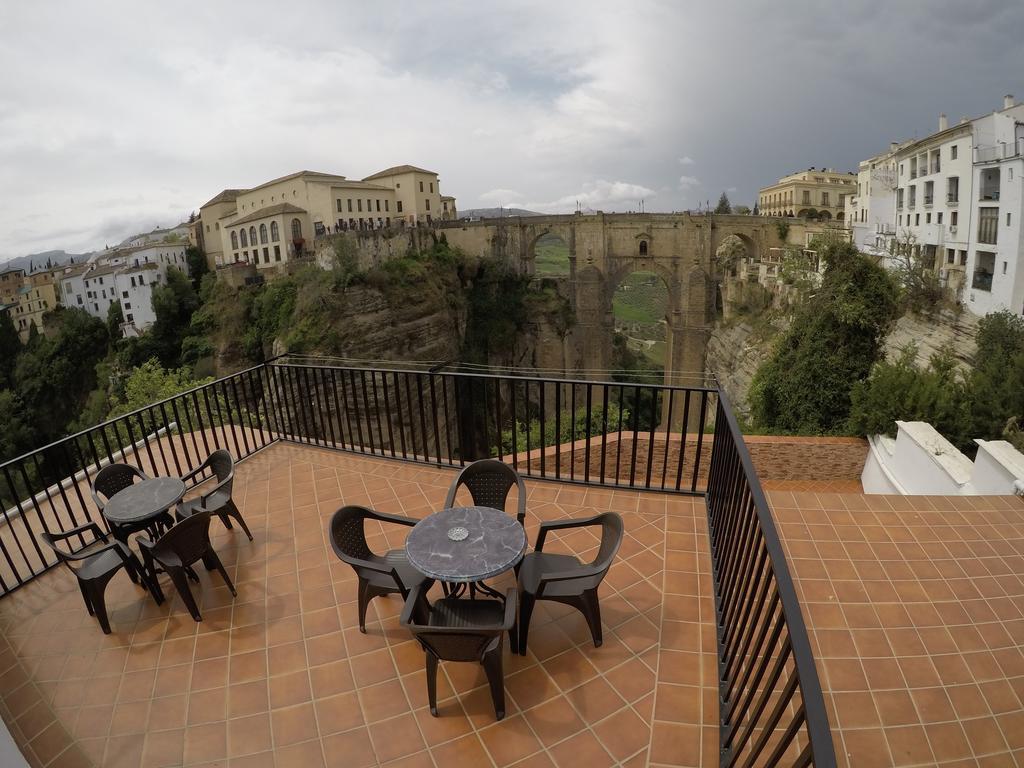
605, 248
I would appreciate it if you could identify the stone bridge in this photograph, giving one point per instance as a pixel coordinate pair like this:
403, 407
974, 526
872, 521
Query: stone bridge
605, 248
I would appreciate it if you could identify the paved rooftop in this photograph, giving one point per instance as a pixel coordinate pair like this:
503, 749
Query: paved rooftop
281, 676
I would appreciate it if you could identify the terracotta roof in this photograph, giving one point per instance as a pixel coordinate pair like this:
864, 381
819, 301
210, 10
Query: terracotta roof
227, 196
297, 174
395, 170
270, 210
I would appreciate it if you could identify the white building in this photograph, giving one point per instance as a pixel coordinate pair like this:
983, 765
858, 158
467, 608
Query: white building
126, 275
959, 198
871, 213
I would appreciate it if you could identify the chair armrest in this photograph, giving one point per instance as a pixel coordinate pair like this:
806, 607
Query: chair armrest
191, 475
203, 497
405, 619
90, 527
557, 525
385, 517
109, 546
449, 500
355, 562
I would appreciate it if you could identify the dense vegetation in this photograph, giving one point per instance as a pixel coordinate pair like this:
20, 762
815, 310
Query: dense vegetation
835, 338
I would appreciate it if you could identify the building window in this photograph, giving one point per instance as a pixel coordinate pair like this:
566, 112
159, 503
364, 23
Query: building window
953, 189
339, 205
421, 186
350, 205
127, 305
929, 192
244, 238
917, 219
950, 255
252, 235
399, 204
263, 234
129, 318
952, 218
940, 217
275, 235
1007, 218
431, 187
387, 205
952, 152
987, 225
142, 280
296, 229
266, 255
124, 294
359, 205
277, 253
427, 201
927, 218
824, 198
963, 258
643, 247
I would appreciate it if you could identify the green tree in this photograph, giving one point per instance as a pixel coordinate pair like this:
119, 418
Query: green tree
10, 348
835, 338
741, 210
723, 204
115, 316
899, 390
997, 379
197, 265
17, 435
173, 304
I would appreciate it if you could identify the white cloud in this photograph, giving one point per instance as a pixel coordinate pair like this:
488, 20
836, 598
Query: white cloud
688, 182
500, 196
686, 160
597, 195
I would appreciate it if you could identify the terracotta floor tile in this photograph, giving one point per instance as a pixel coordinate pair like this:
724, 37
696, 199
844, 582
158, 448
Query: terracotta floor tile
509, 740
351, 749
583, 749
396, 738
248, 735
554, 721
339, 713
293, 725
206, 743
289, 689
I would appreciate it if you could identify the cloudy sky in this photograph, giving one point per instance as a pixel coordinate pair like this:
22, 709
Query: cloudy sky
117, 117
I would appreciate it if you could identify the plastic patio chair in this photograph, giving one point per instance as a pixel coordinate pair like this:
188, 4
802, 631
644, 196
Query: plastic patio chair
94, 565
564, 579
116, 477
185, 544
387, 574
218, 498
456, 629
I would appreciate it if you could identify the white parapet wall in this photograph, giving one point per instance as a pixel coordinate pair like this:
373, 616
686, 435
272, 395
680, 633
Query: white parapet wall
921, 462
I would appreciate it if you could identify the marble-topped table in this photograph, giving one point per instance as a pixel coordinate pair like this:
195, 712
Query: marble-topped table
143, 501
466, 544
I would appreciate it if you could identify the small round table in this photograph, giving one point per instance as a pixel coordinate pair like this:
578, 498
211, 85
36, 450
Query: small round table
142, 503
466, 545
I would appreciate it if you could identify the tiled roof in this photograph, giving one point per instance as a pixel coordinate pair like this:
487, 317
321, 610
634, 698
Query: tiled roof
227, 196
397, 169
270, 210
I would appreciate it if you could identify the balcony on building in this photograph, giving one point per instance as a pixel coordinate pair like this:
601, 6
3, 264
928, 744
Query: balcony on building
988, 225
761, 610
988, 189
984, 269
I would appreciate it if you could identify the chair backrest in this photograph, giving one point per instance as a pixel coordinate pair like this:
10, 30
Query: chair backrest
186, 541
113, 478
348, 536
223, 466
611, 540
62, 554
449, 643
488, 482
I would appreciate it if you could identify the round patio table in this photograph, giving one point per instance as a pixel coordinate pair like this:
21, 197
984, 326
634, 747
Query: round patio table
465, 545
142, 503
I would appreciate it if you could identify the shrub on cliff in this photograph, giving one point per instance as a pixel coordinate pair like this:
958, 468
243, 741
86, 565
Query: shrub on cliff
835, 338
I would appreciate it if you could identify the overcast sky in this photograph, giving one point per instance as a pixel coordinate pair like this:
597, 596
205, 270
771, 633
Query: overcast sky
120, 117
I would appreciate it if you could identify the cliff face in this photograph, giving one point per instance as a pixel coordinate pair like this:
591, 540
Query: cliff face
735, 352
930, 335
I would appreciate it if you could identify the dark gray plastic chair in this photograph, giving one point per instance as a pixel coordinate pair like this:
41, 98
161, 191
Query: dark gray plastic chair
218, 498
94, 564
456, 629
564, 579
116, 477
177, 551
387, 574
488, 482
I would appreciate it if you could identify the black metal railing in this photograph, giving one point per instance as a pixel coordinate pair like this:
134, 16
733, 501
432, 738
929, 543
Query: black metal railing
49, 489
643, 436
771, 707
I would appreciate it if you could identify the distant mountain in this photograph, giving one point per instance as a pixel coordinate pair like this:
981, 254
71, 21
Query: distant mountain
37, 261
496, 213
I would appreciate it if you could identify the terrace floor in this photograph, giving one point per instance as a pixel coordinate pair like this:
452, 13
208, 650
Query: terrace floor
281, 676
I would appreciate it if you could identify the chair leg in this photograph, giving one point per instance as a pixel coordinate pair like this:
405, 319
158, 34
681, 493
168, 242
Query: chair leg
231, 510
591, 609
525, 612
181, 584
99, 604
221, 570
496, 679
149, 569
85, 596
364, 601
432, 682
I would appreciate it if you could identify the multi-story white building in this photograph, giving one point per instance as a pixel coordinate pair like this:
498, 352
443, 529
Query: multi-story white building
959, 199
871, 212
127, 275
